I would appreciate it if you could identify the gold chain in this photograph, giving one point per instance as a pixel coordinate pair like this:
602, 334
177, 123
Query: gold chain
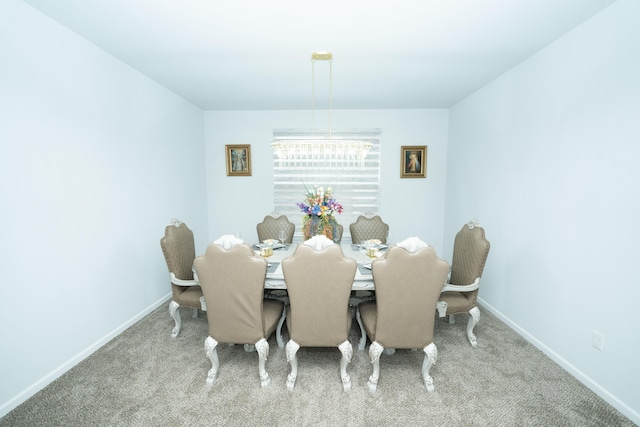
313, 106
313, 97
330, 96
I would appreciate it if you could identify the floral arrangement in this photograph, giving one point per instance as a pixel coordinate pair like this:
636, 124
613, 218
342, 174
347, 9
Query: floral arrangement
320, 202
319, 207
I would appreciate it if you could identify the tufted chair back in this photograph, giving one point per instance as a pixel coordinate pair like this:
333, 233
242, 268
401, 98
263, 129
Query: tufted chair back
270, 228
470, 252
368, 228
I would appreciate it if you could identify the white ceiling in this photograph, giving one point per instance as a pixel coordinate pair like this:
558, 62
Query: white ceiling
255, 54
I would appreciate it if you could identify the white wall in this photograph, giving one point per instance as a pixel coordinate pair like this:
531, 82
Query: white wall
546, 157
411, 207
95, 159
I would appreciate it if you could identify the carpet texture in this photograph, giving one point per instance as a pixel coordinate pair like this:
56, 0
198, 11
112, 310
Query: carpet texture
144, 378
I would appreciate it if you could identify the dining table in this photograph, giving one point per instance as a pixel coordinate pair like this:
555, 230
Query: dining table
363, 280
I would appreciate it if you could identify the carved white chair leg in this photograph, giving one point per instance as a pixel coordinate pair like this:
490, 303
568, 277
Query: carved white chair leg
430, 358
291, 350
474, 318
363, 334
175, 313
279, 339
203, 304
211, 352
262, 347
375, 350
347, 352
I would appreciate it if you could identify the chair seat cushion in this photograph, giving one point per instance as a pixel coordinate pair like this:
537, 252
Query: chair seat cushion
187, 296
458, 302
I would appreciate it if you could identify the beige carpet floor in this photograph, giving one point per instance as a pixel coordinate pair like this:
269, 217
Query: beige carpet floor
145, 378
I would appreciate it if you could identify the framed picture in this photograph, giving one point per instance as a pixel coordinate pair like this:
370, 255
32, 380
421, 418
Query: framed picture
413, 161
238, 160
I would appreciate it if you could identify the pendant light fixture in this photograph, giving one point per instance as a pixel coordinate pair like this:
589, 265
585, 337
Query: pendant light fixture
321, 149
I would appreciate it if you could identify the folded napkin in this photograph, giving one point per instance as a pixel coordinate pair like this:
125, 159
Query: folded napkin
412, 244
319, 242
228, 241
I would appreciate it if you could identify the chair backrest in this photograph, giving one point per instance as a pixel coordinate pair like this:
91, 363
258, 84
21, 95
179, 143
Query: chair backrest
470, 251
408, 287
271, 225
232, 283
366, 228
319, 285
179, 252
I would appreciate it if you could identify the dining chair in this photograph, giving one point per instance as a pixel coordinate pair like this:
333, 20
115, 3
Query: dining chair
271, 225
232, 282
319, 280
408, 284
368, 227
179, 252
460, 293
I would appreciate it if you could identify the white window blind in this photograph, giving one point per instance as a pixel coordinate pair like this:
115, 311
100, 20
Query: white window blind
356, 189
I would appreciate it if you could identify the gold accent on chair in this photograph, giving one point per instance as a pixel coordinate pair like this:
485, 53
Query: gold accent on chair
319, 284
407, 289
179, 252
366, 228
271, 225
232, 283
460, 293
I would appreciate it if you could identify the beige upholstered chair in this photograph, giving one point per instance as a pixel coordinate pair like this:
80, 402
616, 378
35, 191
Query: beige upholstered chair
179, 251
366, 228
407, 289
232, 282
271, 225
460, 293
319, 283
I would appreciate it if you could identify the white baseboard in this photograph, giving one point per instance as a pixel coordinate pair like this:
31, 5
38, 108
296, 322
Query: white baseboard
48, 379
628, 412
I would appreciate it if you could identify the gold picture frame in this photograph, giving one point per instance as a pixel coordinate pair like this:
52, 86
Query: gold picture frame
238, 159
413, 161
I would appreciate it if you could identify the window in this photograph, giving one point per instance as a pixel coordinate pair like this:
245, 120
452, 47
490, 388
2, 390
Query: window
356, 189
